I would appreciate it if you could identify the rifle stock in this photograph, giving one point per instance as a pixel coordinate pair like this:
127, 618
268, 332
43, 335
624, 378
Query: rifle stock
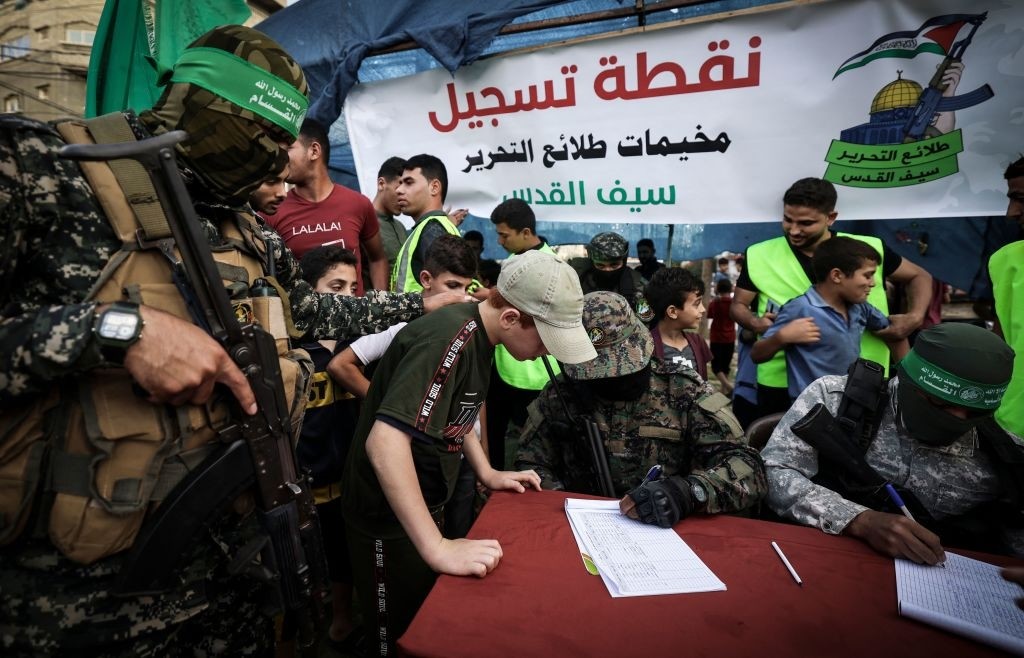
851, 471
598, 475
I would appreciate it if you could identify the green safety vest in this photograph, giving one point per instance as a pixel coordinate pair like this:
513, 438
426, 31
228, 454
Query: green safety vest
403, 279
529, 375
778, 276
1006, 267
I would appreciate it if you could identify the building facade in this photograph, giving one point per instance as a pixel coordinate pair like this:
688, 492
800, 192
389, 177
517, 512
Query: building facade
44, 53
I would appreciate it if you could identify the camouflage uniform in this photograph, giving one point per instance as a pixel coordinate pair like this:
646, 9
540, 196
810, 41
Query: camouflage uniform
948, 480
54, 242
679, 422
629, 283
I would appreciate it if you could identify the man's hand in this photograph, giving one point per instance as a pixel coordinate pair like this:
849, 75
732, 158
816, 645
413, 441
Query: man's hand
760, 324
177, 362
897, 536
445, 298
516, 481
800, 331
1015, 575
663, 503
456, 216
900, 326
465, 557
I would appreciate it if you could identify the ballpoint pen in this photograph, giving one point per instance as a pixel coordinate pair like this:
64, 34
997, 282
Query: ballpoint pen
898, 501
789, 567
653, 474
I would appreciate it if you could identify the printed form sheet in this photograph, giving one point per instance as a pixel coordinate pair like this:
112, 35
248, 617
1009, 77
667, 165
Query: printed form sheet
968, 597
633, 558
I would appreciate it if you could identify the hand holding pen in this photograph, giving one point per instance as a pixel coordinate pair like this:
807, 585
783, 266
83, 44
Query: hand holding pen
897, 535
898, 502
627, 505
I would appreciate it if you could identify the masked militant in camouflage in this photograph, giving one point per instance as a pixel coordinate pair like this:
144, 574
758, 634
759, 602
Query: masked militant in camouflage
647, 415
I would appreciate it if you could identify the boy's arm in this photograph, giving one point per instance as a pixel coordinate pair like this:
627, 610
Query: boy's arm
344, 368
391, 457
492, 479
786, 332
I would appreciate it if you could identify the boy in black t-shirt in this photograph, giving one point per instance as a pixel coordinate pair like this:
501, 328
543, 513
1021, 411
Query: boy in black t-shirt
327, 427
418, 418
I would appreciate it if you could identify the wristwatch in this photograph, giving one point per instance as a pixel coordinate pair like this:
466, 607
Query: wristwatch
116, 329
700, 494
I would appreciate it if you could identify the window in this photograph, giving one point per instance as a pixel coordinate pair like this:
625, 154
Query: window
81, 37
12, 103
14, 48
43, 92
43, 33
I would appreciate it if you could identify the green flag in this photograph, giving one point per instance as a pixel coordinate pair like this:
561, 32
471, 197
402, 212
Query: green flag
133, 47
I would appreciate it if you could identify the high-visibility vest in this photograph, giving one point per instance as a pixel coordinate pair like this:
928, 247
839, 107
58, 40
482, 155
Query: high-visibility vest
778, 277
403, 279
1006, 267
530, 375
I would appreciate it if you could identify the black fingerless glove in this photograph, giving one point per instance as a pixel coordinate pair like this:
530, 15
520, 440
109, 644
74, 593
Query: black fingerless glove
663, 502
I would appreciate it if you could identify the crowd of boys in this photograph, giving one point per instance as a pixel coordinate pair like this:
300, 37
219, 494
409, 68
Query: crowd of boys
402, 427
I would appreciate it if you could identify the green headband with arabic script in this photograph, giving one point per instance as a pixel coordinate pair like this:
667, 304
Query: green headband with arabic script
244, 84
944, 385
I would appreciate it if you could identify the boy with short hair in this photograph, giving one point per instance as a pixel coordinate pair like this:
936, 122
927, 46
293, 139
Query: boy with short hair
418, 419
821, 329
722, 335
723, 272
450, 265
675, 296
327, 428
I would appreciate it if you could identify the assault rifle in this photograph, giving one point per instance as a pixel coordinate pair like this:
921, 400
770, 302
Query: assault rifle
931, 100
254, 450
600, 476
849, 473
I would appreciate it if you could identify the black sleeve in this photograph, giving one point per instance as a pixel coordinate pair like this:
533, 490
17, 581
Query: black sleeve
890, 260
743, 281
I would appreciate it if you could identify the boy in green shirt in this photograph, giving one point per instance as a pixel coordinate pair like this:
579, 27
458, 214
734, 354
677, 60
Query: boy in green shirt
419, 416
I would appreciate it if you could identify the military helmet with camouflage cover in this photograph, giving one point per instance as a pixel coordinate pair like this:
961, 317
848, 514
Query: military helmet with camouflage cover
608, 246
623, 343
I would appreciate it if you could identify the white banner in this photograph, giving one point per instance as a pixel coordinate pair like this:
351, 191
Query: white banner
711, 122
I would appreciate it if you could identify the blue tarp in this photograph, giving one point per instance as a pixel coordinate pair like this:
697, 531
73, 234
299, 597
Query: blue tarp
331, 39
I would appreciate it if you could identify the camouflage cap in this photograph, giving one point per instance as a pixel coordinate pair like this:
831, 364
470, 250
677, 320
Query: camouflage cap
623, 343
608, 246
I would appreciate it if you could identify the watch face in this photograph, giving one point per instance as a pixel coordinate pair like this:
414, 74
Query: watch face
116, 325
699, 493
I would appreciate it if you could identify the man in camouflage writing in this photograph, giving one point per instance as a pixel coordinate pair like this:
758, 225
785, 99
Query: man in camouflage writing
647, 415
102, 364
936, 438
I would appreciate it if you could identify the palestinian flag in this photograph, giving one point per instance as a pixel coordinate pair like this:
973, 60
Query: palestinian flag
936, 35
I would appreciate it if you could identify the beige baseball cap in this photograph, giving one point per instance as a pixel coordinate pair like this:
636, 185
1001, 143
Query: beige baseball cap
547, 289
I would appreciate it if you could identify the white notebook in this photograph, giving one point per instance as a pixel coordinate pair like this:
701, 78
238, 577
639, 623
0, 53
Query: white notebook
634, 558
968, 597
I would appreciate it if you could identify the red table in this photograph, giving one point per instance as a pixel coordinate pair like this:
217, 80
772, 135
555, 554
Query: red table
541, 602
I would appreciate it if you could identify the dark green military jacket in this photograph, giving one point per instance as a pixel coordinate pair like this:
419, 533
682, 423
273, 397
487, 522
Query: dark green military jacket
680, 423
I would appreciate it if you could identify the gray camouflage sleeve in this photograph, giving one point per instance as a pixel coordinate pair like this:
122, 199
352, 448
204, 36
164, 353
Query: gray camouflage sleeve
331, 316
791, 463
